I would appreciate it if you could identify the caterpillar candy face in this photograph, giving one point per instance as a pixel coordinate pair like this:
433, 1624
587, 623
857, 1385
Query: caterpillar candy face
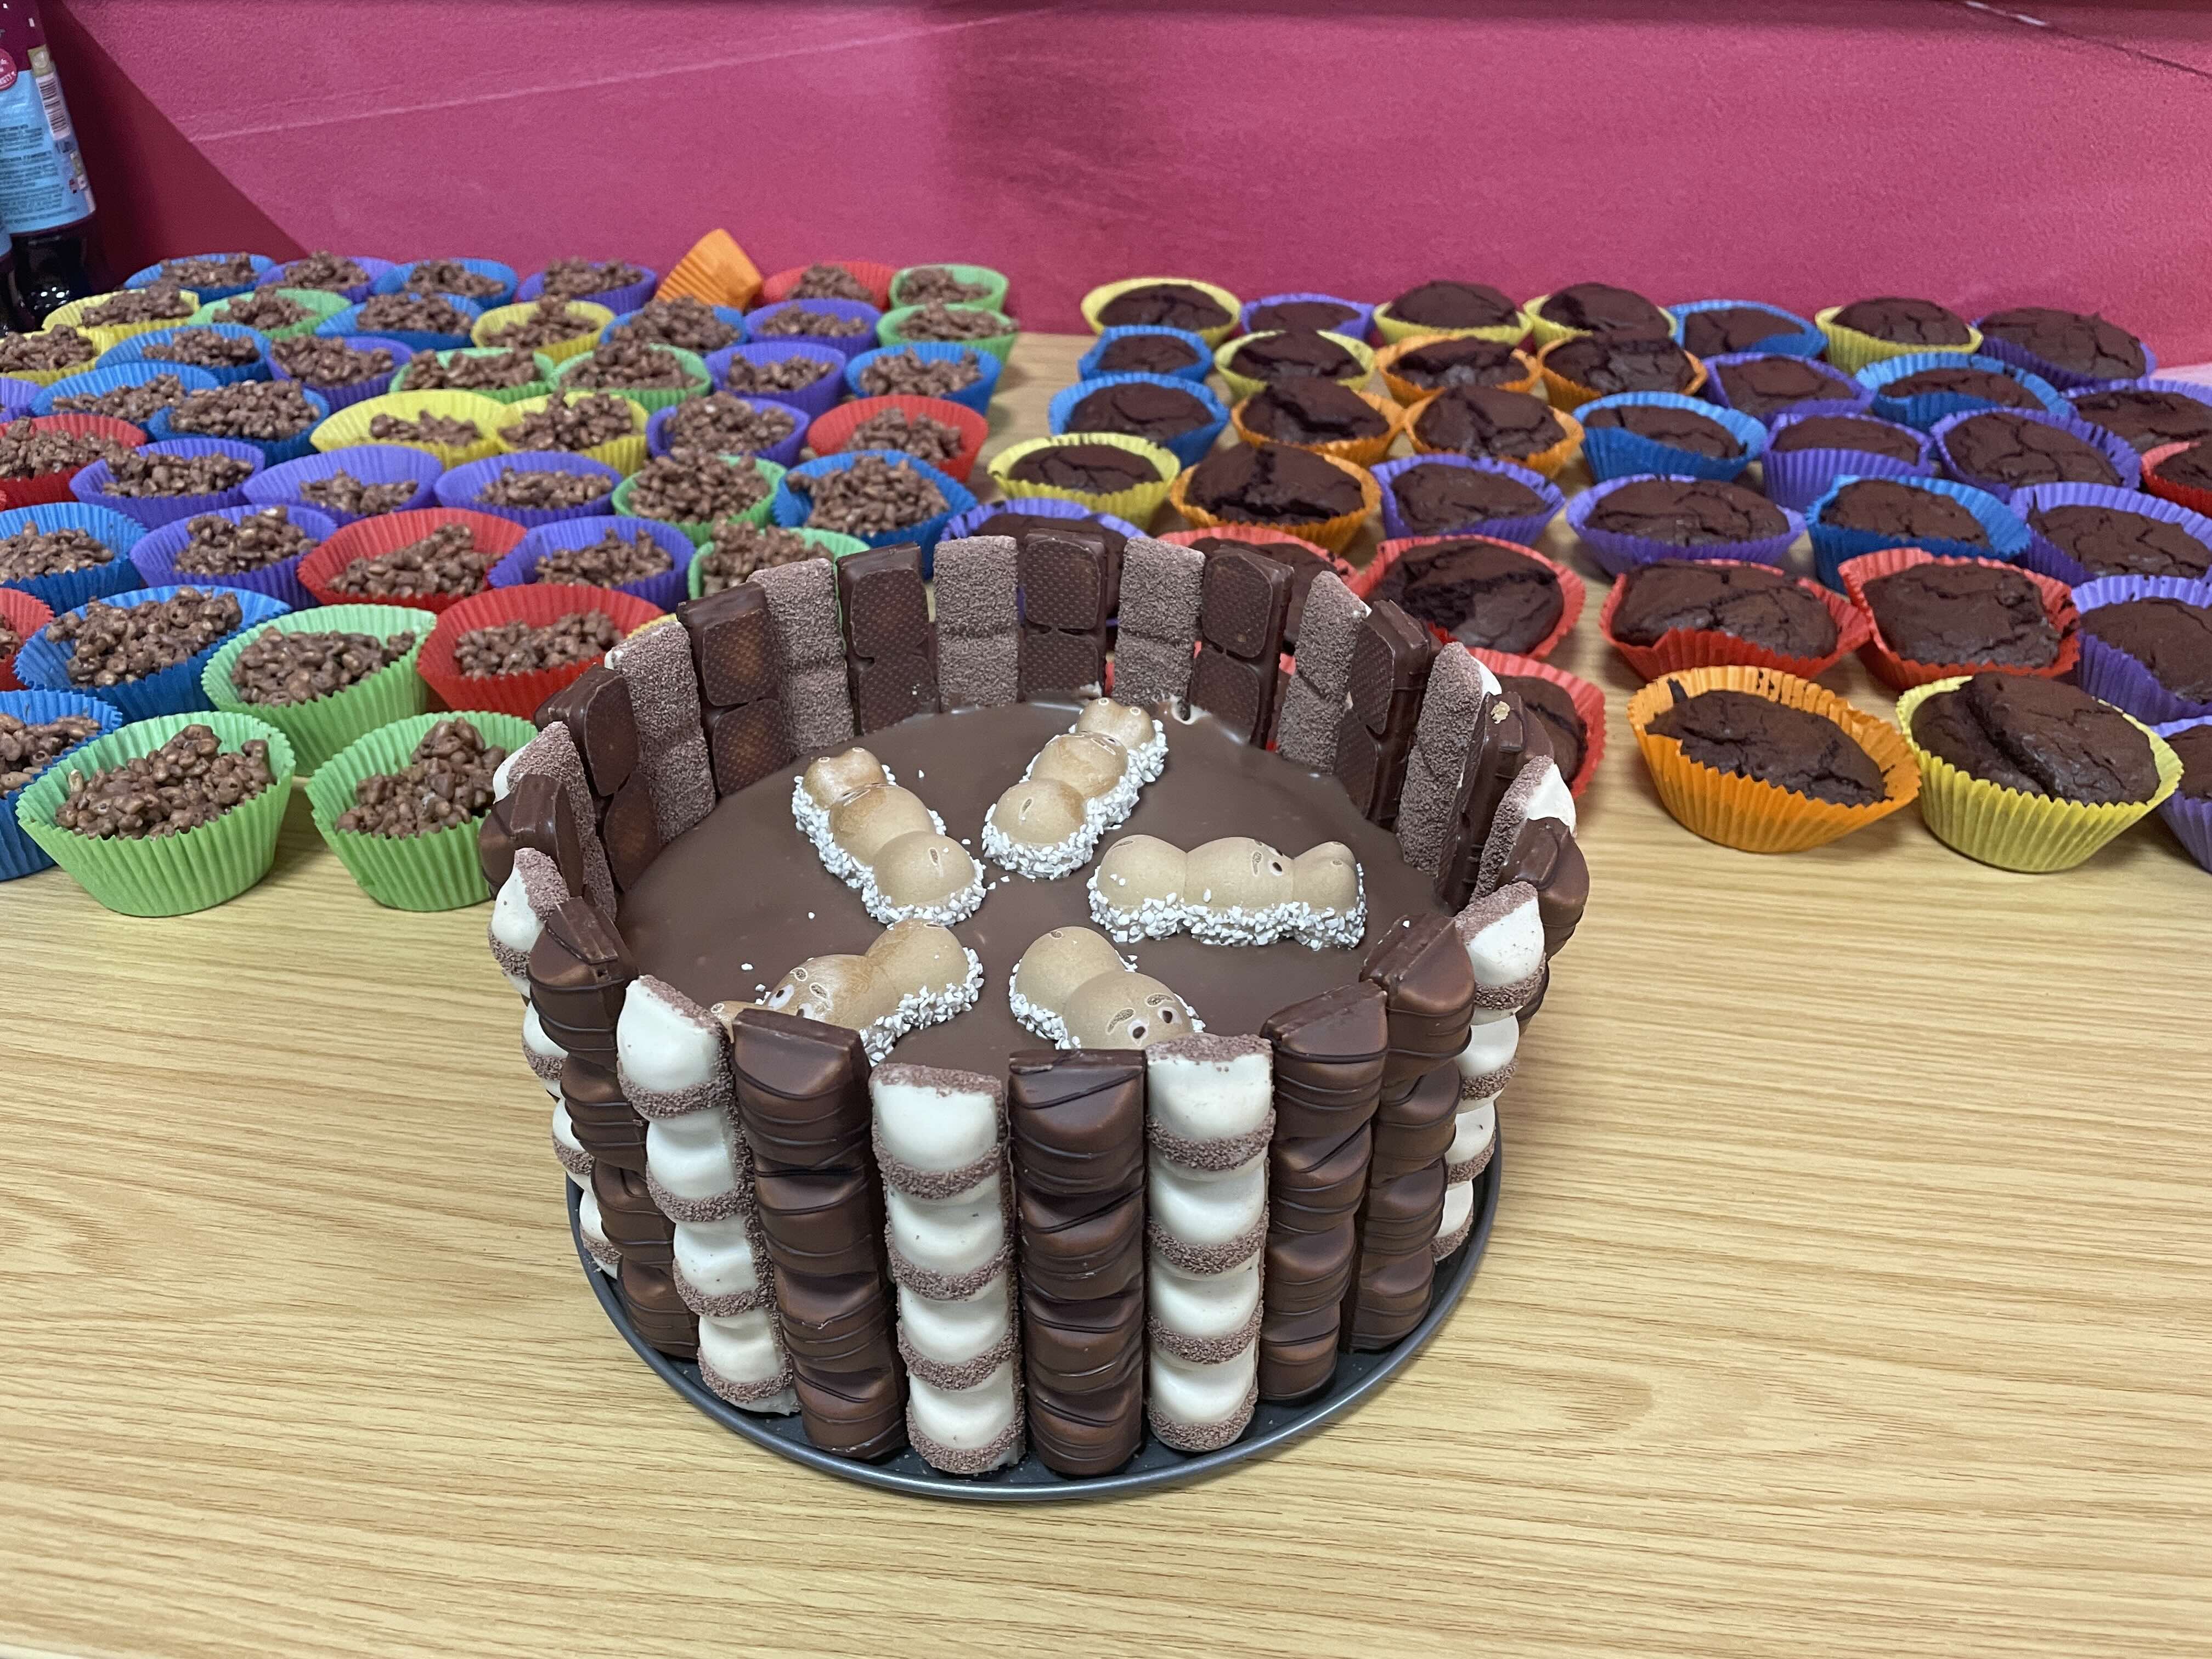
1073, 988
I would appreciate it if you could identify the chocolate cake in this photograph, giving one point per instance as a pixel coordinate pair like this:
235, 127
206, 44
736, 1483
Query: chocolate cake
2109, 541
1313, 412
1600, 309
1687, 512
1437, 498
1948, 612
1754, 736
1271, 483
1663, 423
1303, 316
1845, 432
2194, 747
2191, 467
1722, 330
1983, 384
1748, 602
1476, 420
1763, 387
2146, 417
2038, 737
1903, 513
2013, 450
1141, 410
1460, 362
1554, 710
1146, 354
1272, 358
1164, 305
2086, 347
2171, 638
1482, 592
1445, 304
1094, 469
1905, 322
1607, 363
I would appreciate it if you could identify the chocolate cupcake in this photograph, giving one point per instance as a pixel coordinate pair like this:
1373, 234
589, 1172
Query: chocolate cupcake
2169, 636
1723, 327
1450, 494
1766, 386
1143, 408
2188, 469
1861, 434
2038, 737
1674, 425
1168, 305
1445, 305
1943, 612
1753, 736
1271, 358
1868, 331
1763, 607
1088, 469
2114, 532
1308, 313
1305, 564
2002, 450
2080, 350
1271, 485
1553, 706
1600, 308
1314, 414
1167, 351
1483, 421
1432, 363
1602, 364
1686, 513
2194, 746
1482, 592
1905, 515
2150, 415
1961, 381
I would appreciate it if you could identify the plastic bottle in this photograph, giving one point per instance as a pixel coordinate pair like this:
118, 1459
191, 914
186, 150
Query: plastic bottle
45, 200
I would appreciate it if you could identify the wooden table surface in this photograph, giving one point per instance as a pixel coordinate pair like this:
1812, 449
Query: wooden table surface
1850, 1294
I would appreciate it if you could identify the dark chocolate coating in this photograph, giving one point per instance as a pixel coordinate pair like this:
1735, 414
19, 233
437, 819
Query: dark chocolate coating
2038, 737
1245, 599
1963, 613
1546, 856
1607, 363
1067, 578
1438, 498
496, 844
1763, 387
630, 1219
1904, 321
2004, 447
890, 660
2170, 637
1291, 356
1687, 512
2191, 467
1328, 1055
1504, 740
1273, 484
1428, 987
541, 815
1600, 308
1887, 507
1445, 303
629, 832
1481, 420
2110, 541
580, 972
1847, 431
802, 1091
2087, 346
603, 1120
1747, 602
656, 1311
1302, 563
1460, 362
596, 708
1554, 710
747, 743
1390, 664
732, 645
1754, 736
2194, 747
1416, 1132
1678, 428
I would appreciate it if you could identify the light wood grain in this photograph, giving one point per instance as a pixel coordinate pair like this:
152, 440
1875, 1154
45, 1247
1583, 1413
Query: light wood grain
1850, 1294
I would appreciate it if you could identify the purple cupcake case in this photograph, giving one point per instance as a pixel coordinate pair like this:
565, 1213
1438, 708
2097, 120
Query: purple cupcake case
628, 297
817, 397
2196, 391
2115, 448
459, 487
2064, 379
2188, 817
783, 453
155, 556
1616, 552
90, 486
2046, 558
665, 589
1851, 398
2120, 679
847, 346
1795, 478
1524, 527
370, 463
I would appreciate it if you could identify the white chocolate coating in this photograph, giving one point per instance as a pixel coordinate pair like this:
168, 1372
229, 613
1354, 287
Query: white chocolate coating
950, 1235
961, 1330
691, 1156
717, 1257
1509, 950
1208, 1099
964, 1419
660, 1048
1196, 1394
542, 1047
1206, 1208
1474, 1128
564, 1132
1206, 1306
1491, 1044
1459, 1204
932, 1126
745, 1348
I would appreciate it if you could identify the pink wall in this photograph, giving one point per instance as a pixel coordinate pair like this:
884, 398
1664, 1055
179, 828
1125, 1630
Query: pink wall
1801, 152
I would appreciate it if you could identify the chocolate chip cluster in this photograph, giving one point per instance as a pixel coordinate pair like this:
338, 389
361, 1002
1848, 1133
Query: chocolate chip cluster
227, 270
610, 561
937, 285
941, 322
516, 486
917, 435
26, 750
572, 279
776, 375
267, 311
627, 360
691, 486
439, 431
575, 424
739, 549
143, 472
420, 314
137, 404
446, 781
517, 648
29, 553
447, 561
110, 644
549, 323
871, 496
45, 352
204, 348
319, 361
909, 375
828, 281
463, 371
325, 270
32, 452
808, 321
280, 668
690, 324
451, 276
728, 425
266, 409
162, 302
341, 492
186, 782
217, 547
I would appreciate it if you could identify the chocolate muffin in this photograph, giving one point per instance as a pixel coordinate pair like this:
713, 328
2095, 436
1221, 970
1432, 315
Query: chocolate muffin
2109, 541
1437, 498
1276, 357
2089, 346
1689, 512
1600, 309
1902, 513
2146, 417
1164, 305
1301, 316
1302, 563
1678, 428
1141, 410
2040, 738
1847, 431
1763, 387
2191, 468
1985, 385
2194, 746
1905, 322
1313, 412
1963, 613
1725, 329
1746, 602
1094, 469
1147, 354
1462, 361
1445, 303
2014, 450
1271, 483
1607, 363
2171, 638
1555, 710
1753, 736
1481, 420
1480, 593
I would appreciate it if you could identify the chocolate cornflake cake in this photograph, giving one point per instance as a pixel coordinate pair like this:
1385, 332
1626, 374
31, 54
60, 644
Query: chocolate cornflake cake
188, 781
1263, 1081
447, 783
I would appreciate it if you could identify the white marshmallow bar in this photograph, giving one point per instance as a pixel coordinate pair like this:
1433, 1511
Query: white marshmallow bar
571, 1152
1504, 935
518, 910
1209, 1114
940, 1148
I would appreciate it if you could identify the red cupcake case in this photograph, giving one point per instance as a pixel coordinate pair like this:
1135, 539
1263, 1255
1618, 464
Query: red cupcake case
388, 532
1681, 649
55, 486
24, 615
1902, 673
1572, 591
537, 605
832, 432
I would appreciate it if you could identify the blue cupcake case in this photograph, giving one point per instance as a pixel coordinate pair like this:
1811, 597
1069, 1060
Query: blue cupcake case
1522, 527
1614, 451
260, 264
157, 553
1088, 368
347, 324
791, 505
135, 351
394, 281
370, 463
274, 451
666, 589
1189, 448
19, 854
113, 377
1797, 478
1833, 545
2190, 389
976, 395
1923, 412
1793, 336
43, 663
1358, 328
72, 588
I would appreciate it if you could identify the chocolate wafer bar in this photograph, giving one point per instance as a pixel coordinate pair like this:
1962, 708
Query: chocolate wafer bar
1452, 702
1313, 702
1156, 631
671, 745
537, 813
1505, 739
890, 650
1389, 668
802, 602
552, 754
741, 669
978, 622
579, 972
1066, 603
1244, 605
595, 706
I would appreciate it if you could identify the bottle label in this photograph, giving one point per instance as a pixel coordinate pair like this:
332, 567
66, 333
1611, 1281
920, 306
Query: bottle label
42, 178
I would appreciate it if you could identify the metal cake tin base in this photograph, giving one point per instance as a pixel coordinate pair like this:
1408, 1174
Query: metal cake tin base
1358, 1375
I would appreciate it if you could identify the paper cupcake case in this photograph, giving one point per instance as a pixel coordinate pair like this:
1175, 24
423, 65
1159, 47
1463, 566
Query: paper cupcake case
48, 376
784, 452
2032, 834
1188, 448
2065, 379
19, 854
106, 337
16, 395
975, 395
1089, 367
1333, 535
1396, 330
355, 392
1922, 412
167, 875
963, 525
647, 397
435, 871
1549, 462
387, 533
729, 314
24, 617
827, 543
1616, 552
1573, 594
1242, 387
2119, 678
112, 375
1588, 701
161, 429
1748, 813
459, 487
1681, 649
1793, 336
155, 556
628, 297
352, 296
1795, 478
90, 485
2114, 447
1903, 674
1360, 451
829, 433
1834, 544
350, 425
974, 275
394, 281
701, 531
2188, 817
1563, 393
71, 588
2181, 495
279, 486
322, 304
1409, 394
2047, 558
1851, 350
792, 503
1137, 503
43, 663
664, 592
538, 606
54, 487
891, 330
595, 316
1106, 293
260, 264
503, 394
873, 273
625, 454
1524, 527
1613, 452
820, 396
1851, 398
319, 728
135, 351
